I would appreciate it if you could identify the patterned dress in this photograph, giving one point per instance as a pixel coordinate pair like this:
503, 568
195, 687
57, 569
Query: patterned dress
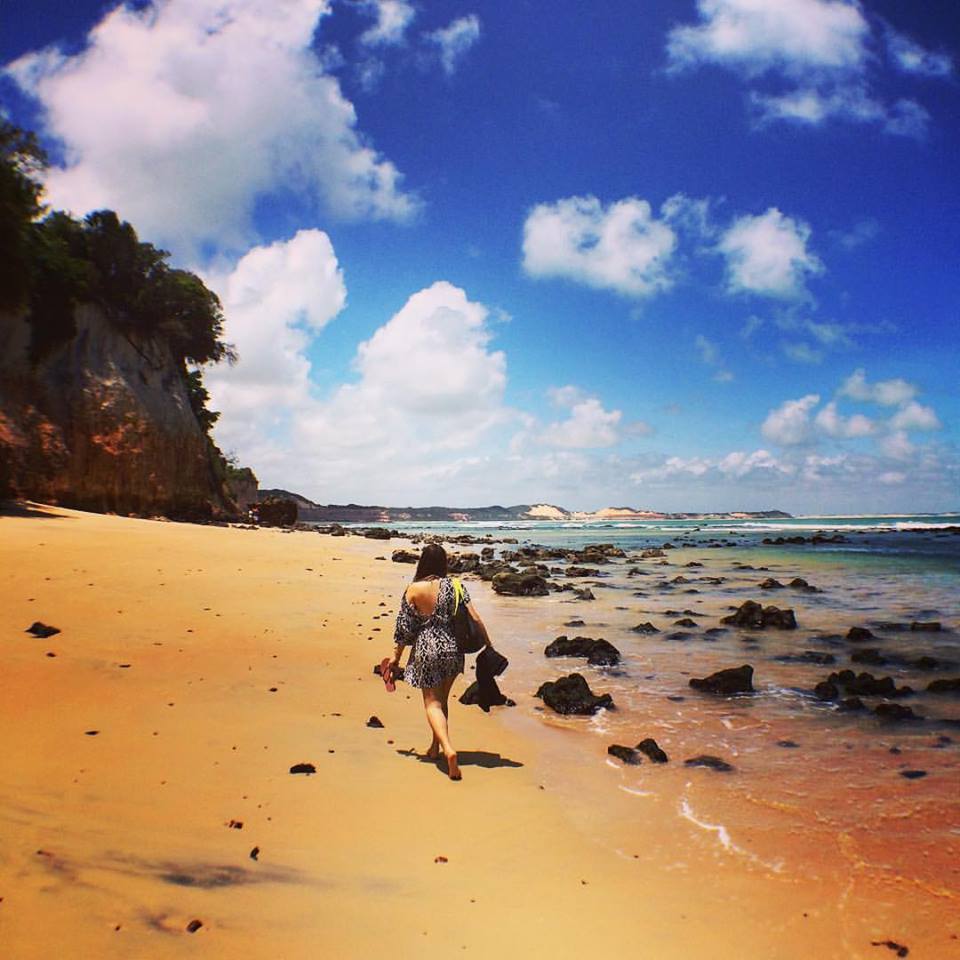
435, 657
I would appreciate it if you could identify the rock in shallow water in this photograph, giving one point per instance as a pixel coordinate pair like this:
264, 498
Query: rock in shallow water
599, 653
626, 754
714, 763
520, 585
727, 682
651, 748
572, 695
755, 616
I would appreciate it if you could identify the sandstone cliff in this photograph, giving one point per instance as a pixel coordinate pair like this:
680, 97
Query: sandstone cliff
104, 423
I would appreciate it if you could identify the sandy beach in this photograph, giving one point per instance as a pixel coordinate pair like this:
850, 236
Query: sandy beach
145, 784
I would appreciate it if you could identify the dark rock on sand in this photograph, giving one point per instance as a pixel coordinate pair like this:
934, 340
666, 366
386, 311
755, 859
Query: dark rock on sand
404, 556
42, 630
277, 512
788, 744
755, 616
808, 656
254, 853
705, 760
652, 749
572, 695
584, 594
626, 754
576, 622
913, 774
599, 653
194, 925
947, 685
895, 712
378, 533
870, 655
851, 705
520, 585
826, 690
306, 768
867, 685
771, 584
798, 583
933, 626
375, 722
684, 622
575, 571
647, 627
726, 683
859, 634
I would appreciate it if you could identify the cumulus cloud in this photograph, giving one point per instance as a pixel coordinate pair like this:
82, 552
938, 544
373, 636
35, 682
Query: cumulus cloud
888, 393
915, 416
789, 424
795, 423
454, 40
833, 424
820, 53
793, 36
392, 19
760, 465
767, 255
184, 114
588, 425
621, 247
409, 414
274, 300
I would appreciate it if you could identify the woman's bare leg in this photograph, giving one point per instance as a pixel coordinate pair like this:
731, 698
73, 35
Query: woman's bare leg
433, 751
433, 702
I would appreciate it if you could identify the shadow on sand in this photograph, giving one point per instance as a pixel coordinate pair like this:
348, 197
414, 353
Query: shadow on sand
466, 758
19, 508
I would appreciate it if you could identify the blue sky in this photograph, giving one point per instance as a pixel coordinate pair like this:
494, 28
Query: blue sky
679, 255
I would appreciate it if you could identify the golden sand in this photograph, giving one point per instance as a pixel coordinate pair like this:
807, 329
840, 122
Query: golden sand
197, 664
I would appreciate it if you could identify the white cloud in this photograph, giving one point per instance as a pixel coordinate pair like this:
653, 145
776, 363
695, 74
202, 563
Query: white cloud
910, 57
183, 114
792, 36
789, 424
588, 425
888, 393
914, 416
454, 40
892, 478
833, 424
820, 52
767, 255
758, 466
274, 300
897, 446
393, 18
620, 247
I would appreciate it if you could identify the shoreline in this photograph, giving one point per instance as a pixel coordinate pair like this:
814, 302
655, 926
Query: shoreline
213, 618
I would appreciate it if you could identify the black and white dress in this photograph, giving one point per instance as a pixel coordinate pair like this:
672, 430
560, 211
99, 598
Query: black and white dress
435, 656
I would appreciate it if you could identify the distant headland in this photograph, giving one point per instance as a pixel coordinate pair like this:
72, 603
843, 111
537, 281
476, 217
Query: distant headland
357, 513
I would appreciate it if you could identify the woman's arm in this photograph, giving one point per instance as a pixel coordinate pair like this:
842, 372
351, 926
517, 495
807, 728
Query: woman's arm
480, 625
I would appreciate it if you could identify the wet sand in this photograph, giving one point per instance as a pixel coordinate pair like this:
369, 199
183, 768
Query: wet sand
197, 664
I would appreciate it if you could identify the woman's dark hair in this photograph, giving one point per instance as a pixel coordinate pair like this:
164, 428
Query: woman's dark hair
433, 562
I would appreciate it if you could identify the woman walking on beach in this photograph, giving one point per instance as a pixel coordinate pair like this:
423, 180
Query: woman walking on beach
425, 621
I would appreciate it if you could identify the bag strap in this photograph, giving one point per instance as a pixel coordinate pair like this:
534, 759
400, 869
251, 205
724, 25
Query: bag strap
457, 593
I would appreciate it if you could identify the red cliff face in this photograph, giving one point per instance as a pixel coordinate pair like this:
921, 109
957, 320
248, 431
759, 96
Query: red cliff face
103, 423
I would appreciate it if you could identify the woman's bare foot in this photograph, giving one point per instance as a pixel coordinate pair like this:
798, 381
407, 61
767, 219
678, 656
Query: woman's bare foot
452, 769
432, 752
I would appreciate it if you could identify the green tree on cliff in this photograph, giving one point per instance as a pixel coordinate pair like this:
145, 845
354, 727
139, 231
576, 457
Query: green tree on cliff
21, 160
